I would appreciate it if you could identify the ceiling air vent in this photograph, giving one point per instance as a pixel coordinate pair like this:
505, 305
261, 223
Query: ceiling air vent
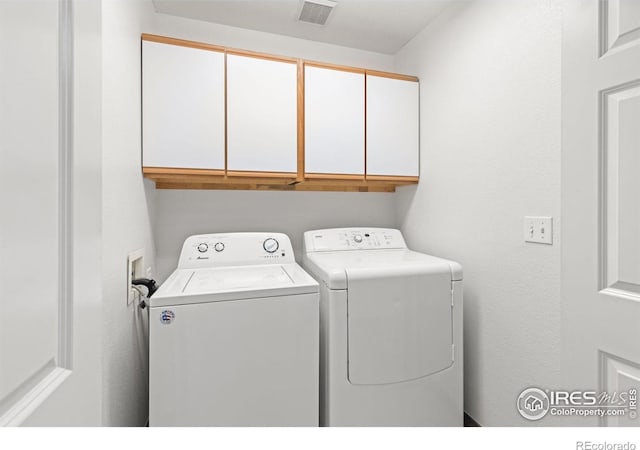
316, 11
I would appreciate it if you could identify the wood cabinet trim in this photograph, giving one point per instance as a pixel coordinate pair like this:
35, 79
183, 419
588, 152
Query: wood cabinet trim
180, 171
334, 176
270, 187
182, 42
258, 55
394, 178
216, 48
365, 127
243, 173
321, 65
226, 108
272, 57
170, 178
301, 121
395, 76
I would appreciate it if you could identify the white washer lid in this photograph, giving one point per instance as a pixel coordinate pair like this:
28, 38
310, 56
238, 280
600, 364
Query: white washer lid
332, 267
232, 278
212, 284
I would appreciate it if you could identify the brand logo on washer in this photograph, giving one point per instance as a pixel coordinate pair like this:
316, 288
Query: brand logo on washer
167, 316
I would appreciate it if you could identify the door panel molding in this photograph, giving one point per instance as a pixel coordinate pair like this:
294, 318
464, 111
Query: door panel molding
614, 34
65, 152
19, 404
618, 256
617, 375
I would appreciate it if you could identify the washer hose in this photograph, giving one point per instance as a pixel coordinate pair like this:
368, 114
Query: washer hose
150, 284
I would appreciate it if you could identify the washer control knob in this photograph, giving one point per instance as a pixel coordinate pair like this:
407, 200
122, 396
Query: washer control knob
202, 248
271, 245
357, 238
219, 246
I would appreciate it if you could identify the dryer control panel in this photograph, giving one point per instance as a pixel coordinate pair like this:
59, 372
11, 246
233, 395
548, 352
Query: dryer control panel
232, 249
339, 239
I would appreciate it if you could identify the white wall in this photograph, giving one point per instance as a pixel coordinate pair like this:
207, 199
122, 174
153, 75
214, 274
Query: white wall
178, 27
126, 219
490, 154
490, 127
182, 213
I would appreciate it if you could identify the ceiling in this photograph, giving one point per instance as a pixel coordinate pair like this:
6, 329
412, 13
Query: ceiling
382, 26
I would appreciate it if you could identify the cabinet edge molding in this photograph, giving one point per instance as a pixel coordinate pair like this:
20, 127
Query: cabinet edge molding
396, 179
395, 76
181, 42
322, 65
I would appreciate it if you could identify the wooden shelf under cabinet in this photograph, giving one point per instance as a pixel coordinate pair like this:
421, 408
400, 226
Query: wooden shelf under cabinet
173, 178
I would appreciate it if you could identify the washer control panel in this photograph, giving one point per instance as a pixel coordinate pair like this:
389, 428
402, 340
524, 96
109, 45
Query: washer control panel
338, 239
228, 249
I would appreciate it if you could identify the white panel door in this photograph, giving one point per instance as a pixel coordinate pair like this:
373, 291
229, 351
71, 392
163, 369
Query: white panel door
600, 204
261, 115
182, 107
50, 194
333, 121
393, 126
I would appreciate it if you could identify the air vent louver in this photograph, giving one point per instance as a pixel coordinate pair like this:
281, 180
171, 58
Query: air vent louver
316, 11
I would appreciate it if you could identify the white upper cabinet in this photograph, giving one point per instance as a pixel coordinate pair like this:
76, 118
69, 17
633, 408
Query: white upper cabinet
261, 114
183, 106
392, 127
239, 114
334, 121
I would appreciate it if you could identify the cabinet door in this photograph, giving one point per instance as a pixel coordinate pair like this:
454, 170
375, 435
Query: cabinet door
183, 106
334, 121
261, 115
392, 127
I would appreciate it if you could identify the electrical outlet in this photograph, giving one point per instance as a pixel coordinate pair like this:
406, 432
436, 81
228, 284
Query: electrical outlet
135, 269
538, 230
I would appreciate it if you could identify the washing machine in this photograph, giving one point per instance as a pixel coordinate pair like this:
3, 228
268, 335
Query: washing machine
390, 330
233, 336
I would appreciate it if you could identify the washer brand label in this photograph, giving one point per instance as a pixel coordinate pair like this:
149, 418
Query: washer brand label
167, 316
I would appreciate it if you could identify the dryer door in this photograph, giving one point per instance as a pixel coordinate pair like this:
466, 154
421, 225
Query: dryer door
399, 324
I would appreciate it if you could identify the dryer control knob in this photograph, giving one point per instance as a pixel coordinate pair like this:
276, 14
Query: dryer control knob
271, 245
202, 248
219, 247
357, 238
